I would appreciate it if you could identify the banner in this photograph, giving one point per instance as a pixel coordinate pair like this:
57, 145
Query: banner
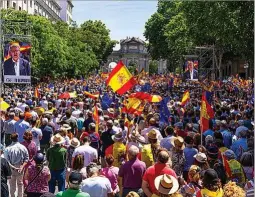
16, 65
191, 70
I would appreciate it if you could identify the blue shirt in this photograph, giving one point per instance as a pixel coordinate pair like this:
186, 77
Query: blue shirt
239, 146
239, 129
189, 157
208, 132
227, 138
47, 132
166, 142
20, 127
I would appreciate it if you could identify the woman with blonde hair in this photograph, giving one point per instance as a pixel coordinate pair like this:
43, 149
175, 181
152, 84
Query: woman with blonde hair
233, 190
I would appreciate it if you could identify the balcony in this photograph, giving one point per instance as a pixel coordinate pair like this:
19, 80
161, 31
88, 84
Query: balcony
53, 14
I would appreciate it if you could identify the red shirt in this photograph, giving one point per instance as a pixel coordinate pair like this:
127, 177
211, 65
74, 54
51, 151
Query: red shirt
182, 133
156, 170
86, 134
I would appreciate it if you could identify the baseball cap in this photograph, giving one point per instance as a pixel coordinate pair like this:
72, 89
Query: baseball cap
75, 178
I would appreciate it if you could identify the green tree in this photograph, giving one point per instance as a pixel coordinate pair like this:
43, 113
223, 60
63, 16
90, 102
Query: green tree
132, 67
153, 67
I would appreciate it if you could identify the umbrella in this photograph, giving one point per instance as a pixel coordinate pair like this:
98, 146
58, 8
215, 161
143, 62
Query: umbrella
3, 105
155, 99
64, 95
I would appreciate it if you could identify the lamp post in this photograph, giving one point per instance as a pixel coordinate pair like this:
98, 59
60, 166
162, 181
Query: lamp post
246, 66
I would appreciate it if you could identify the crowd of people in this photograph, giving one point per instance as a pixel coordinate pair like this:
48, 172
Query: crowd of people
55, 147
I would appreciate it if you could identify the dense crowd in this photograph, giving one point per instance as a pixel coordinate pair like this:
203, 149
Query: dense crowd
49, 142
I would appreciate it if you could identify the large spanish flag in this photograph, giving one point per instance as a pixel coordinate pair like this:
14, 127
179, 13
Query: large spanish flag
206, 113
120, 79
185, 98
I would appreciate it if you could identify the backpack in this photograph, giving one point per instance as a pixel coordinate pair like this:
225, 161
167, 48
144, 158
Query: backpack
237, 174
219, 168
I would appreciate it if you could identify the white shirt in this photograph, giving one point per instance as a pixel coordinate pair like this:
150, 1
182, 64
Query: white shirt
37, 134
191, 74
88, 152
96, 186
146, 131
22, 106
16, 67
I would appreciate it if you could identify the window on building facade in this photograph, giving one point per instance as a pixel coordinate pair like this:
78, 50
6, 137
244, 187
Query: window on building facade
14, 5
8, 4
25, 1
19, 8
31, 3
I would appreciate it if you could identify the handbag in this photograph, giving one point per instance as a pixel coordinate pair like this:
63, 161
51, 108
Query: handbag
25, 191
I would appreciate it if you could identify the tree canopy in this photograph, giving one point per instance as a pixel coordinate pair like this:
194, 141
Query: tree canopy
179, 25
59, 49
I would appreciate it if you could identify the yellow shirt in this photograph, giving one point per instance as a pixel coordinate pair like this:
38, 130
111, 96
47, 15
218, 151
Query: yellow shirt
147, 156
119, 151
208, 193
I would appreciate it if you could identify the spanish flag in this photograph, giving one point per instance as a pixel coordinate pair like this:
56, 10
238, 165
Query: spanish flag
133, 105
206, 113
93, 96
37, 93
96, 117
185, 98
120, 79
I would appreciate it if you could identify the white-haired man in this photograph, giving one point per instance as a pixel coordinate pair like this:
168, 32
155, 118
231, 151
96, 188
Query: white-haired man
131, 172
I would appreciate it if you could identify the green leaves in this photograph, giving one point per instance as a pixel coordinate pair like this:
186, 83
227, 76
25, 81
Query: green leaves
61, 50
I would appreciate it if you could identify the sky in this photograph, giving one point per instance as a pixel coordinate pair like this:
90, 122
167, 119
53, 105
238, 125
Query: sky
122, 18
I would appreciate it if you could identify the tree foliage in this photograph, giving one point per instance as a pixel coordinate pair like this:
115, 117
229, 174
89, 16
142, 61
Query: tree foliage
59, 49
180, 25
153, 67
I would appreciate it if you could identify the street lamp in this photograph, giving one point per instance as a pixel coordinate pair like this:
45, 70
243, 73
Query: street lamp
246, 66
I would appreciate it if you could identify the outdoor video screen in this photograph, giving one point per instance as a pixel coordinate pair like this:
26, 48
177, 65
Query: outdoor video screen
191, 70
16, 65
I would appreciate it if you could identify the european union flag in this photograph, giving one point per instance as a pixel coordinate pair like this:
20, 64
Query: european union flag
106, 101
164, 112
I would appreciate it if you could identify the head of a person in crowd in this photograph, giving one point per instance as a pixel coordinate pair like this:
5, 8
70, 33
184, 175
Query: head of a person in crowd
211, 180
78, 162
166, 185
178, 126
194, 173
45, 121
27, 109
250, 143
74, 143
178, 143
50, 105
33, 122
212, 152
57, 140
90, 114
74, 180
81, 115
109, 160
109, 124
197, 139
163, 156
218, 135
242, 134
39, 159
55, 113
86, 140
63, 132
133, 152
14, 137
68, 113
132, 194
28, 136
92, 127
122, 123
189, 141
92, 169
21, 116
233, 190
229, 154
152, 137
152, 122
169, 131
11, 115
224, 125
217, 125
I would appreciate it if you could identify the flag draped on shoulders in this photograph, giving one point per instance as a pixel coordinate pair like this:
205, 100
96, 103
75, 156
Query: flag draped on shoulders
120, 79
206, 112
185, 98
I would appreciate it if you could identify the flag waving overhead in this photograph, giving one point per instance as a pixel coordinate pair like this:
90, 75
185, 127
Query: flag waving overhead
120, 79
206, 113
185, 98
96, 118
93, 96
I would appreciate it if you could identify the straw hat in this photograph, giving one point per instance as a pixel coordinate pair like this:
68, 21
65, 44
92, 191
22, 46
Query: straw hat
152, 134
166, 184
178, 141
75, 143
118, 136
110, 110
65, 127
57, 139
200, 157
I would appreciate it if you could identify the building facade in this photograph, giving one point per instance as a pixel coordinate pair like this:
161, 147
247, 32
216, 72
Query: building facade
66, 10
133, 51
50, 9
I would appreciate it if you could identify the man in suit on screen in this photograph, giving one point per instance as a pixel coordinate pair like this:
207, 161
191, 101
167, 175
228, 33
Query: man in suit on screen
191, 73
16, 65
